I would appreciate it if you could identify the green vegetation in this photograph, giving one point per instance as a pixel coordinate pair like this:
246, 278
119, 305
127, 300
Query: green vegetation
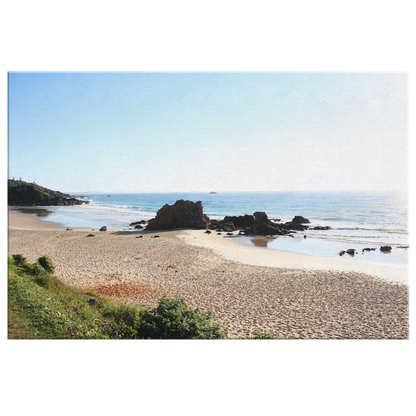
24, 193
42, 307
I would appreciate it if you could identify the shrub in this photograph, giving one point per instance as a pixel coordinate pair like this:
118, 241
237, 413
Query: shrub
175, 319
19, 260
47, 263
37, 269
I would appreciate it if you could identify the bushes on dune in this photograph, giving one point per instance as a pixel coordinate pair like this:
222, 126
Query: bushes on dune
54, 310
47, 263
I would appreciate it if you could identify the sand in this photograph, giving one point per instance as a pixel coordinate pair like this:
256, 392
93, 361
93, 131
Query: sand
248, 288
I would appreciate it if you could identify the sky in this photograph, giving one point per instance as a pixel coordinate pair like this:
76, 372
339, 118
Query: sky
208, 131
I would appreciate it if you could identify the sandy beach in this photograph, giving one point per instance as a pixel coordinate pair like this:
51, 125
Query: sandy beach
248, 288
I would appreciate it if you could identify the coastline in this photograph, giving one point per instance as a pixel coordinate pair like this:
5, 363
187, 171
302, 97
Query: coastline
247, 288
231, 249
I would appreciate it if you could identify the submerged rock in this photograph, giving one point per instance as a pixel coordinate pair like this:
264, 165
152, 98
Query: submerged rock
385, 248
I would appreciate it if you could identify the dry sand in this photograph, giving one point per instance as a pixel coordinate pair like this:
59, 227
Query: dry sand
249, 289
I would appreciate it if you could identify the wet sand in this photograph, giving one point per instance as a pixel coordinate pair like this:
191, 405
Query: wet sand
248, 288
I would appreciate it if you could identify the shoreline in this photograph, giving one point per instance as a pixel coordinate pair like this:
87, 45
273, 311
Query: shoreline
24, 221
248, 289
259, 256
233, 250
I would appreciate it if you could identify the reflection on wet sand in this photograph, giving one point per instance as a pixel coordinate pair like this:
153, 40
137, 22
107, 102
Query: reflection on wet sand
39, 212
261, 241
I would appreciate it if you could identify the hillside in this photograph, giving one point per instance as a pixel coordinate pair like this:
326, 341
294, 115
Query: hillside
24, 193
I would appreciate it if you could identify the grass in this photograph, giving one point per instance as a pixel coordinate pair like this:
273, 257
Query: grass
42, 307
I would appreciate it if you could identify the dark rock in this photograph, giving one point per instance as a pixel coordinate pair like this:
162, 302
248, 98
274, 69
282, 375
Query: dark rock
368, 249
183, 214
241, 221
138, 222
300, 220
103, 228
342, 252
350, 251
140, 236
232, 223
91, 235
263, 226
230, 234
208, 232
296, 226
229, 226
138, 227
321, 227
385, 248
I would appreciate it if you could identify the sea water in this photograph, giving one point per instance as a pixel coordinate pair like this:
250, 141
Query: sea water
356, 219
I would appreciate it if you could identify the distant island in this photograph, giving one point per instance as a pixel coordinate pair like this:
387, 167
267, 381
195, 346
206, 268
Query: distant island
212, 193
21, 193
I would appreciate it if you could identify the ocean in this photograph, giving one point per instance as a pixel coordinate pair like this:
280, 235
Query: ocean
356, 219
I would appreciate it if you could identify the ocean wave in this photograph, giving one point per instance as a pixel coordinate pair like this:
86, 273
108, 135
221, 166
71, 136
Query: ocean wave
381, 230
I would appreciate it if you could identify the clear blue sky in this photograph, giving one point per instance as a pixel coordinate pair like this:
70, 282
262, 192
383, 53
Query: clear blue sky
178, 131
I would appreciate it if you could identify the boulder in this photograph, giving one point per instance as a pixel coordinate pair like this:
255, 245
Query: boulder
138, 227
103, 228
300, 220
385, 248
182, 214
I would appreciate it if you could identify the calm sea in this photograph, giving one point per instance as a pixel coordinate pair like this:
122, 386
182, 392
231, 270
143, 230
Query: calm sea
356, 219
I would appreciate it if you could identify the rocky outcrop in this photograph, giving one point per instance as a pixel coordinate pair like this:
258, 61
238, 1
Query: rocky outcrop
263, 226
182, 214
297, 223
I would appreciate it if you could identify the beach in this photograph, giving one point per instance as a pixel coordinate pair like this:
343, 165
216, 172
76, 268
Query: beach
248, 289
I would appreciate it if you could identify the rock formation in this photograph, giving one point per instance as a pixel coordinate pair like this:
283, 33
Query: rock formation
183, 214
263, 226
